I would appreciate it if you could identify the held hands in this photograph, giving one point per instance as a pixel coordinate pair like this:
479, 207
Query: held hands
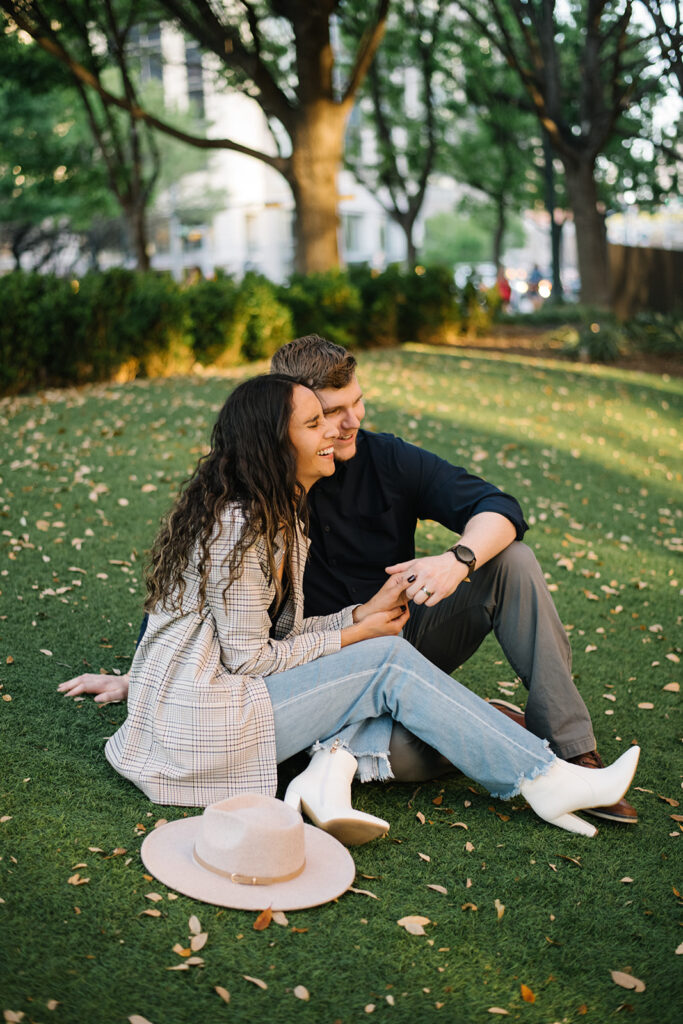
107, 689
429, 580
385, 614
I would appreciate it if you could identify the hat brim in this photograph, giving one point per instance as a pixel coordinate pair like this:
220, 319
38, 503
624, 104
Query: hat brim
167, 854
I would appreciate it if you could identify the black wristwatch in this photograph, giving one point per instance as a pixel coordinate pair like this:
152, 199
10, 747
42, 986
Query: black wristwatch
466, 556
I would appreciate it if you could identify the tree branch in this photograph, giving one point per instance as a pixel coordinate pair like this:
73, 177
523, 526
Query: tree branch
81, 74
366, 52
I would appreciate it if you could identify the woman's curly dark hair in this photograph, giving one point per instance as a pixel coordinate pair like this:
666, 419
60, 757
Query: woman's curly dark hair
252, 463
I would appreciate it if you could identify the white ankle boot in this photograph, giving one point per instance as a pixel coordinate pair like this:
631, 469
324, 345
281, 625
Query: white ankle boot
323, 791
568, 787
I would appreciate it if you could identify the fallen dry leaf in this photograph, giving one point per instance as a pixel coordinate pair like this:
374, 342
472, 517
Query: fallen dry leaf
48, 654
459, 824
469, 906
469, 846
668, 800
194, 925
77, 880
500, 908
152, 912
527, 995
627, 981
369, 1008
52, 1004
679, 949
301, 992
424, 856
14, 1016
135, 1018
626, 879
413, 924
672, 687
181, 950
420, 817
153, 896
178, 967
222, 992
198, 942
363, 892
263, 920
499, 1009
439, 888
255, 981
280, 918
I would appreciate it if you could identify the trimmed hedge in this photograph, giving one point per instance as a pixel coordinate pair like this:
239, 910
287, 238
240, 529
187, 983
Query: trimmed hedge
121, 324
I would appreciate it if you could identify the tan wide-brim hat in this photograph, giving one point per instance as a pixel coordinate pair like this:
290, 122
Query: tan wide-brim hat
249, 852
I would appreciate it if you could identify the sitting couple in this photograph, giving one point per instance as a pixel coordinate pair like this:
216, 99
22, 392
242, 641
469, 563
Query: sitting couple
232, 673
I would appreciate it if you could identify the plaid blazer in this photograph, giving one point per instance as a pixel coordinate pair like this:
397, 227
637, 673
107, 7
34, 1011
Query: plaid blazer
200, 722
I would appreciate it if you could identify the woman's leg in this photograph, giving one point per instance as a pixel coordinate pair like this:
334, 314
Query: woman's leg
370, 683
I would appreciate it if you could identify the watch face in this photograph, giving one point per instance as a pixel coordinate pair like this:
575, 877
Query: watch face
465, 554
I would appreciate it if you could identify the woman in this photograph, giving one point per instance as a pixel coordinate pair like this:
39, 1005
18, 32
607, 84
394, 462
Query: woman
229, 679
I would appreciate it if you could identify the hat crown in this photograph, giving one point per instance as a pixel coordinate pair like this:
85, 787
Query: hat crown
251, 837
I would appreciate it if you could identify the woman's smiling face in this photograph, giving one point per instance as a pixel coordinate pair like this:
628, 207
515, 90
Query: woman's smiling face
312, 438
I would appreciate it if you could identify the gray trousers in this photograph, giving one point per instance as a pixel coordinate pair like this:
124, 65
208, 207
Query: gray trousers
510, 597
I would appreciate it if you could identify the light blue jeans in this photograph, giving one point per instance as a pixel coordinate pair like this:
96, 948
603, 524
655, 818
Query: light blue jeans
356, 694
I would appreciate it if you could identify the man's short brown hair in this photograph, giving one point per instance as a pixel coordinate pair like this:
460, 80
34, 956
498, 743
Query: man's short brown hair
315, 361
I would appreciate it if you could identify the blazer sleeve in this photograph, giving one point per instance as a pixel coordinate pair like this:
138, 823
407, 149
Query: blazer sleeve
242, 620
337, 620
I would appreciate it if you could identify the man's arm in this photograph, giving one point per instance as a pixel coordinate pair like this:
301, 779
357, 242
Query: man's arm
437, 576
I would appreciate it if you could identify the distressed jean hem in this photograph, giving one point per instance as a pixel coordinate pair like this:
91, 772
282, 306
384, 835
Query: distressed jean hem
516, 790
373, 766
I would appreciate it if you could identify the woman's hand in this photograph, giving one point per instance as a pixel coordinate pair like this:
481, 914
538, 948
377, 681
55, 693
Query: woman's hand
385, 614
389, 598
107, 689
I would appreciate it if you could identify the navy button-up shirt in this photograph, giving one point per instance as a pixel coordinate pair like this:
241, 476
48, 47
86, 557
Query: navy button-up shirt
364, 517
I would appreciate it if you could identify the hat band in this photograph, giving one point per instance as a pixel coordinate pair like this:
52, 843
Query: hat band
248, 879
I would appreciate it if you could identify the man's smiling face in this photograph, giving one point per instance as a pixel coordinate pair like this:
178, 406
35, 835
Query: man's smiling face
343, 409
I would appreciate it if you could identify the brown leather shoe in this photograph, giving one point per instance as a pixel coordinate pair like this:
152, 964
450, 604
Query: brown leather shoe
511, 710
623, 812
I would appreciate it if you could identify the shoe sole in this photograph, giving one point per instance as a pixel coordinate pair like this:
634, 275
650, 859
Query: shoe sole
605, 815
496, 703
348, 831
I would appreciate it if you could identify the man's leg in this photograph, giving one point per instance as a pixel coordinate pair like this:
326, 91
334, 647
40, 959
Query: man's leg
509, 596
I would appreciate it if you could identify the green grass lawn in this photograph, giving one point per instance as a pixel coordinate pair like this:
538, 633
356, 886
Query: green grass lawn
594, 455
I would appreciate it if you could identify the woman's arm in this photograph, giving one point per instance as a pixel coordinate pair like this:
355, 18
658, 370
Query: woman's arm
243, 623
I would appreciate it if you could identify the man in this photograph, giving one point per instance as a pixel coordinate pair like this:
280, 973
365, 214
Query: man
362, 526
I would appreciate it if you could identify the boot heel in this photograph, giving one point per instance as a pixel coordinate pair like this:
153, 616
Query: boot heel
572, 823
292, 798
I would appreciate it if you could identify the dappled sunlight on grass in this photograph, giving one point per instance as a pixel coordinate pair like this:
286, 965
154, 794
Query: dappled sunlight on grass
594, 457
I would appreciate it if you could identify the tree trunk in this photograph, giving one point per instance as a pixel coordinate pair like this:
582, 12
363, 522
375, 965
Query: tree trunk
591, 238
499, 232
137, 231
411, 251
406, 222
557, 293
317, 146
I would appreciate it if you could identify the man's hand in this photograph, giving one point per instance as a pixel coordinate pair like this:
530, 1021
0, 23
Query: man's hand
107, 689
433, 578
